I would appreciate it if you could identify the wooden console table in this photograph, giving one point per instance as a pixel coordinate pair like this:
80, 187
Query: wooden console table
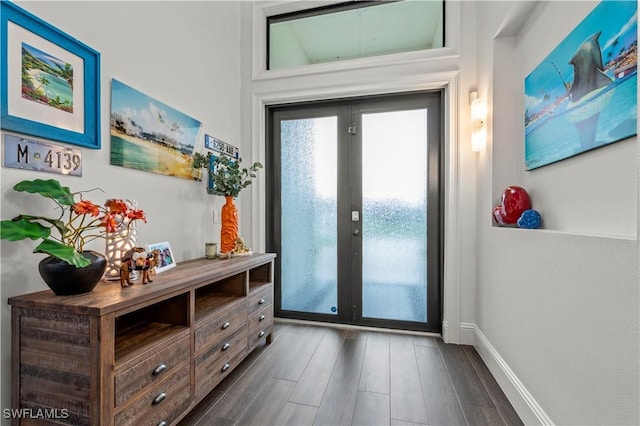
145, 354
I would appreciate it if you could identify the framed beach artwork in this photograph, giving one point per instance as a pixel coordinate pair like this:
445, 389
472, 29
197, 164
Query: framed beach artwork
149, 135
49, 81
165, 258
583, 95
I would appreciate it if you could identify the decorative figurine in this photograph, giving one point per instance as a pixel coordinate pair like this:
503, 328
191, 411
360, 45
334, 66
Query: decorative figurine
239, 249
514, 202
530, 219
137, 259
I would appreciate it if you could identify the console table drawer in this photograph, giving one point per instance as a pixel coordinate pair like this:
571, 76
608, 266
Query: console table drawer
256, 334
220, 327
260, 319
165, 402
214, 364
150, 369
260, 299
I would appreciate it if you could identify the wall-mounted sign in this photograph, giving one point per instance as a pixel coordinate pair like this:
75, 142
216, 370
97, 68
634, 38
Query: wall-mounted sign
217, 145
26, 154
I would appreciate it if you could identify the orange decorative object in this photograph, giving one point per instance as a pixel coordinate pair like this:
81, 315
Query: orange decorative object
229, 231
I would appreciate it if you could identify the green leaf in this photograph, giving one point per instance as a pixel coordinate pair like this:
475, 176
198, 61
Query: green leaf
47, 188
62, 252
20, 229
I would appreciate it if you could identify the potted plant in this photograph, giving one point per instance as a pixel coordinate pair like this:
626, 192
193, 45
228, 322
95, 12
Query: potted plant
64, 237
227, 178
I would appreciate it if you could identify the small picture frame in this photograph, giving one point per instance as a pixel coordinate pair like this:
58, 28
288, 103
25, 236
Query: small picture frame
165, 259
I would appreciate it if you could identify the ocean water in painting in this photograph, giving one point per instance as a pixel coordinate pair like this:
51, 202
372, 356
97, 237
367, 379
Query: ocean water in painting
134, 156
556, 138
583, 95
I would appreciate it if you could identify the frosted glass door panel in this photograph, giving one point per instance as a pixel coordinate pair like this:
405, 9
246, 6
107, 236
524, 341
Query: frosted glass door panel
394, 215
309, 215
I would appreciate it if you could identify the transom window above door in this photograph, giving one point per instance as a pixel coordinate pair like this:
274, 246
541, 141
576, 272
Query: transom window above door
356, 29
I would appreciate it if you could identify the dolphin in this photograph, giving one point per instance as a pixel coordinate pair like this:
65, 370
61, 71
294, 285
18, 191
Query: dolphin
589, 80
588, 70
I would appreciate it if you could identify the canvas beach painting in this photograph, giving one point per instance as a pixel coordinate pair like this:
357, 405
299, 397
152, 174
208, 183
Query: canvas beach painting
149, 135
583, 95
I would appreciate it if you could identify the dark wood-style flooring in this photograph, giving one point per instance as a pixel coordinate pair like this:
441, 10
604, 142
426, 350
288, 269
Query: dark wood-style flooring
320, 375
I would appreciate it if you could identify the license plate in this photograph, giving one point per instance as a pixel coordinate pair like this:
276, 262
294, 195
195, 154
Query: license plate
26, 154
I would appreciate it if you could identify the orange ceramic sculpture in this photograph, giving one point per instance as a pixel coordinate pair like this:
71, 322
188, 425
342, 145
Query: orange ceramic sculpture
229, 231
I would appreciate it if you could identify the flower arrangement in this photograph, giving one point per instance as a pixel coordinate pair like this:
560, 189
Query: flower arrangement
228, 179
79, 222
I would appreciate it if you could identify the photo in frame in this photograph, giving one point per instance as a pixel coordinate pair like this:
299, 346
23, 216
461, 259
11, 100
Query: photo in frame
165, 258
49, 81
149, 135
583, 95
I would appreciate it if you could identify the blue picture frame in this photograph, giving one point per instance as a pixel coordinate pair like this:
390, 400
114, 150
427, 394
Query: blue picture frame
19, 29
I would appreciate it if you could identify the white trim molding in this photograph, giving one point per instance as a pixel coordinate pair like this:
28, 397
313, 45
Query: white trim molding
521, 399
467, 333
447, 80
262, 10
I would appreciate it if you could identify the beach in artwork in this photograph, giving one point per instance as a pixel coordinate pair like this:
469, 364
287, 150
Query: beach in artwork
135, 153
150, 136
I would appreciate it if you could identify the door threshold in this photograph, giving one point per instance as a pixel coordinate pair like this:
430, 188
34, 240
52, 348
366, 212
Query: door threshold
356, 327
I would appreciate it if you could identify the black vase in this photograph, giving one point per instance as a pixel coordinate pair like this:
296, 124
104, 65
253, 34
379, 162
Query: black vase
64, 279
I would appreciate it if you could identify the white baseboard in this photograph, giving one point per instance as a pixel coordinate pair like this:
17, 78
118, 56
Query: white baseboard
467, 333
523, 402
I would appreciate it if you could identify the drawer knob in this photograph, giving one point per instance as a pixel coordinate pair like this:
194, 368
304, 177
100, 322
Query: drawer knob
225, 367
262, 317
158, 399
162, 423
225, 325
225, 347
261, 302
261, 334
159, 369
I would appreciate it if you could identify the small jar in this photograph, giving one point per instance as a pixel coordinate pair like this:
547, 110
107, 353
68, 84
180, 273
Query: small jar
210, 250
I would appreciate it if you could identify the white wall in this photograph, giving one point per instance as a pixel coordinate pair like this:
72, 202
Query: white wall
553, 312
557, 310
185, 54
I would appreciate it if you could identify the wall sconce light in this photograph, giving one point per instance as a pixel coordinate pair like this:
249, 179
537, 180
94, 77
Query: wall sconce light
478, 122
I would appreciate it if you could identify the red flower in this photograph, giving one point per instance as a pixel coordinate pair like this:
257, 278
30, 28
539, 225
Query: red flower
110, 222
136, 214
86, 207
116, 206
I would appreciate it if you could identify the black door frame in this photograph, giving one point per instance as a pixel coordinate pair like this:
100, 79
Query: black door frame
349, 109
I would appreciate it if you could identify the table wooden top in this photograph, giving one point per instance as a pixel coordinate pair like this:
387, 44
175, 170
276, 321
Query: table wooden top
109, 297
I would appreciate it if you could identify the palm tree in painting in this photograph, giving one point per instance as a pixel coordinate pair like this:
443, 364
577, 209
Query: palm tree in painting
66, 73
615, 43
43, 82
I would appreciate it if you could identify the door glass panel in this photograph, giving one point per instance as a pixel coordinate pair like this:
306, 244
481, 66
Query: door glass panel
352, 30
394, 215
309, 215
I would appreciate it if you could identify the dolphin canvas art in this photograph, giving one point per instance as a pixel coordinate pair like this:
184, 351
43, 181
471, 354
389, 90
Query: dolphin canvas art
583, 95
